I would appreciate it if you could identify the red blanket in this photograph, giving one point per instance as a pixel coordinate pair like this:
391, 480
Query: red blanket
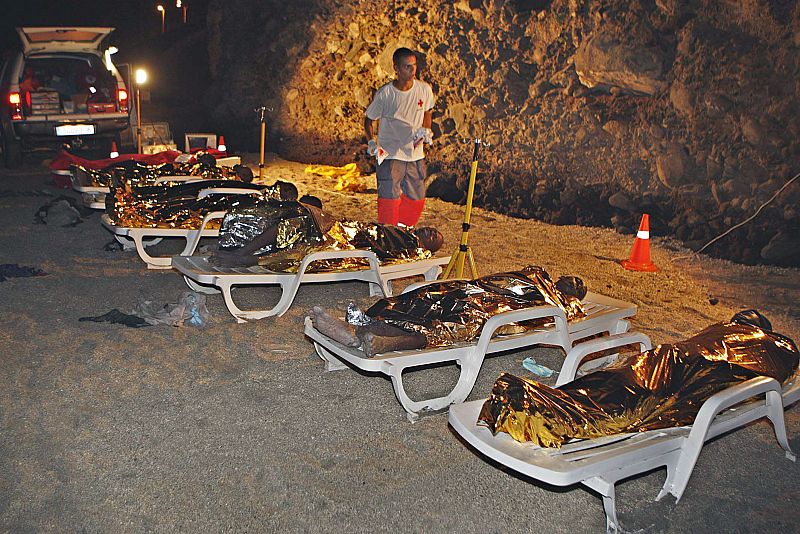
64, 159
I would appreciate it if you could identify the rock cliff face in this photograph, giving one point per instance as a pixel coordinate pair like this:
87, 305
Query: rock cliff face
595, 111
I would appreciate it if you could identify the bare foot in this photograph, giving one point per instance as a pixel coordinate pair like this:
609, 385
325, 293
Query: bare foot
382, 339
334, 328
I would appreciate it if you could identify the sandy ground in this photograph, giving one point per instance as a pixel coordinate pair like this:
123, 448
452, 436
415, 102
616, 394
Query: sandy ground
236, 427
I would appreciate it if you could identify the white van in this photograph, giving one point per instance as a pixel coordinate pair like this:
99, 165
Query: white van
62, 87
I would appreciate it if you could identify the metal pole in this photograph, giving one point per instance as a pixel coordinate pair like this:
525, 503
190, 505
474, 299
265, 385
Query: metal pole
138, 122
163, 15
263, 143
263, 118
464, 250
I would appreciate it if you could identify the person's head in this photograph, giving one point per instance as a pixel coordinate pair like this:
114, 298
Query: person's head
752, 317
429, 238
572, 286
286, 190
243, 172
404, 61
311, 201
207, 160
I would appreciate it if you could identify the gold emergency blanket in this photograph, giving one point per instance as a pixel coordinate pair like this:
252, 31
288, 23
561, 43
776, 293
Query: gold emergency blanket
139, 174
177, 206
454, 311
348, 178
278, 234
661, 388
389, 243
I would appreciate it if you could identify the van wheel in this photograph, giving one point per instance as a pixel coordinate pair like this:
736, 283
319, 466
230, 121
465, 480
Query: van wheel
12, 154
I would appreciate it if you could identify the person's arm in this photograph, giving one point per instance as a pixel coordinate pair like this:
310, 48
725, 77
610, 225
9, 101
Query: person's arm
372, 143
427, 119
369, 128
424, 134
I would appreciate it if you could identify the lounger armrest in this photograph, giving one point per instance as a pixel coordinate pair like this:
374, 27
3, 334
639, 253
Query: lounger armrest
576, 355
730, 397
191, 246
226, 191
517, 316
210, 217
374, 264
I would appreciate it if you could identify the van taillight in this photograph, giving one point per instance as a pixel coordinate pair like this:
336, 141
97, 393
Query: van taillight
122, 98
15, 106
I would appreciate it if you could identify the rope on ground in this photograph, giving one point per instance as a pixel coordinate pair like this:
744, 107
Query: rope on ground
348, 178
739, 225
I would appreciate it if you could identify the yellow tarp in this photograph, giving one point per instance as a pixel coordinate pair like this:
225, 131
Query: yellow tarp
348, 178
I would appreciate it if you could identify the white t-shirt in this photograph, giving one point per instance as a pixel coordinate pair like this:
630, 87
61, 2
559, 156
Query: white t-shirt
400, 114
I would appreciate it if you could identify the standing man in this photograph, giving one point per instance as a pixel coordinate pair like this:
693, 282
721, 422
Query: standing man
402, 109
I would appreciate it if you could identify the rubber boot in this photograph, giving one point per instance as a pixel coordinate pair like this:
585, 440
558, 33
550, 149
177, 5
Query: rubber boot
388, 209
410, 210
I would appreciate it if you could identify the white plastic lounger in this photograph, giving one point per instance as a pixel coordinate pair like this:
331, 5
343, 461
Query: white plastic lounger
140, 236
200, 275
600, 463
603, 315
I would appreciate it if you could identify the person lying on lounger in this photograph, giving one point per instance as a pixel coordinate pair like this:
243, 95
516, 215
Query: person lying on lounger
278, 234
177, 206
449, 311
137, 173
660, 388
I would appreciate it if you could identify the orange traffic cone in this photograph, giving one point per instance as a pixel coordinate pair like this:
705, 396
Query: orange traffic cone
221, 146
114, 152
640, 253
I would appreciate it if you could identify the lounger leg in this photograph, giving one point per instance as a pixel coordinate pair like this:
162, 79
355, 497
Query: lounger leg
386, 287
192, 239
620, 327
606, 490
417, 409
288, 292
776, 415
152, 262
672, 462
433, 273
232, 308
377, 290
126, 242
332, 363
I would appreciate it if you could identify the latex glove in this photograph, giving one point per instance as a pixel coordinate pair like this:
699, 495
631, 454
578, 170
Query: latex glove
372, 148
423, 135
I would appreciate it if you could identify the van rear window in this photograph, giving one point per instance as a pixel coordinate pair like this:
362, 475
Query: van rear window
76, 80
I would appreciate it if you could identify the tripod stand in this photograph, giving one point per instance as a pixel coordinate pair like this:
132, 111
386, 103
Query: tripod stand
464, 251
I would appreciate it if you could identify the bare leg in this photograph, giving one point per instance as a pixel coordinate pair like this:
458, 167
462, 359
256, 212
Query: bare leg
379, 337
334, 328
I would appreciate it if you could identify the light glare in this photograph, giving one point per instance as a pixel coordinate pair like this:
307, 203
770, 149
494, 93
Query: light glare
141, 76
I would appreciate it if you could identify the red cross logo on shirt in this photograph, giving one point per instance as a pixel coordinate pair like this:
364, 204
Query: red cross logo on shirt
419, 103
